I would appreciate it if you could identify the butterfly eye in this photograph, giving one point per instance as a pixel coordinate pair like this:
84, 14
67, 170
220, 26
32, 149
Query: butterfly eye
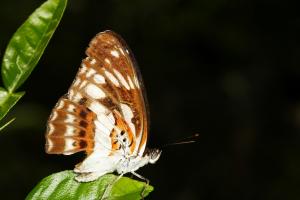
154, 155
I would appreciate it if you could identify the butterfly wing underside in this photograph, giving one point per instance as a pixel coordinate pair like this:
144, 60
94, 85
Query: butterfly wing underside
105, 108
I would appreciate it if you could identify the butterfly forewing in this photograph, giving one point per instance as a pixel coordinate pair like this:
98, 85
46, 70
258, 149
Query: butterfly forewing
104, 102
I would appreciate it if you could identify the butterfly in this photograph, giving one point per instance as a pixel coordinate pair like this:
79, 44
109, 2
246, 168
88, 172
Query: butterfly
104, 113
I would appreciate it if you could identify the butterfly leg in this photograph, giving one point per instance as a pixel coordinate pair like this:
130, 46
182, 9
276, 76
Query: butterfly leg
108, 189
144, 179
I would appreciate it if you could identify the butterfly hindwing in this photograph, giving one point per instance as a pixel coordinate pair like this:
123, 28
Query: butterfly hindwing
70, 128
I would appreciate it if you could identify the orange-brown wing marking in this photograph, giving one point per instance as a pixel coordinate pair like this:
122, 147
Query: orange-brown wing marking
124, 128
70, 129
83, 79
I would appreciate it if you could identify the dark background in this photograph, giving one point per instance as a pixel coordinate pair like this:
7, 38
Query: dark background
228, 70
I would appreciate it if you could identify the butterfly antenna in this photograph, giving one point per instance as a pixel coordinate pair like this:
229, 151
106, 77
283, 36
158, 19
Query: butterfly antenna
187, 140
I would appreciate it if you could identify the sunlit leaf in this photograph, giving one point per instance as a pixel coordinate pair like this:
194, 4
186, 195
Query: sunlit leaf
62, 185
8, 100
6, 124
28, 43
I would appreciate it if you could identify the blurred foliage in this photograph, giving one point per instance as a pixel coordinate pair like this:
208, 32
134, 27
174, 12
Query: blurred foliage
25, 49
226, 69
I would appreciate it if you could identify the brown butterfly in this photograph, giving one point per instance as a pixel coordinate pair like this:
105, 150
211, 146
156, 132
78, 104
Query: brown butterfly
104, 113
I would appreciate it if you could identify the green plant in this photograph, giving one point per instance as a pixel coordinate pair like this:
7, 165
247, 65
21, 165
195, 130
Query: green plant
21, 56
62, 185
24, 51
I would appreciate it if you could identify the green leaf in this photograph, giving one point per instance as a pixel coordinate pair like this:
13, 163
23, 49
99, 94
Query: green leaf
62, 185
7, 123
29, 42
8, 100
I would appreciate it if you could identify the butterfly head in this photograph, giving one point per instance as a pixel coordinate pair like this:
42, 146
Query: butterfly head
153, 154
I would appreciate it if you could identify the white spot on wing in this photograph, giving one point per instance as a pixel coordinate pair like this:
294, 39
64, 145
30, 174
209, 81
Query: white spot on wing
68, 145
83, 68
136, 82
128, 114
97, 108
94, 91
107, 61
130, 82
70, 118
102, 128
83, 83
122, 79
115, 53
112, 78
69, 131
71, 93
102, 141
50, 129
76, 82
50, 145
90, 72
71, 108
122, 52
111, 118
103, 119
99, 79
77, 97
60, 105
93, 61
53, 116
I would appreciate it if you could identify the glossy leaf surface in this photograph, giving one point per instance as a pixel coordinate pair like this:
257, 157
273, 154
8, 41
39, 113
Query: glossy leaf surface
29, 42
62, 185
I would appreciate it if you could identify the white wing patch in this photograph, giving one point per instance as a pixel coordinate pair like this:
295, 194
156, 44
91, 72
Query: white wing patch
53, 116
71, 92
112, 78
122, 79
102, 142
50, 145
115, 53
128, 115
130, 82
107, 61
77, 82
77, 97
90, 72
99, 79
83, 84
136, 82
93, 61
93, 91
68, 145
60, 105
97, 108
83, 69
69, 131
70, 118
50, 129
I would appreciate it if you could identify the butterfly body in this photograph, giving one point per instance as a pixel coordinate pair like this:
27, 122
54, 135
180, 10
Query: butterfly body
104, 113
